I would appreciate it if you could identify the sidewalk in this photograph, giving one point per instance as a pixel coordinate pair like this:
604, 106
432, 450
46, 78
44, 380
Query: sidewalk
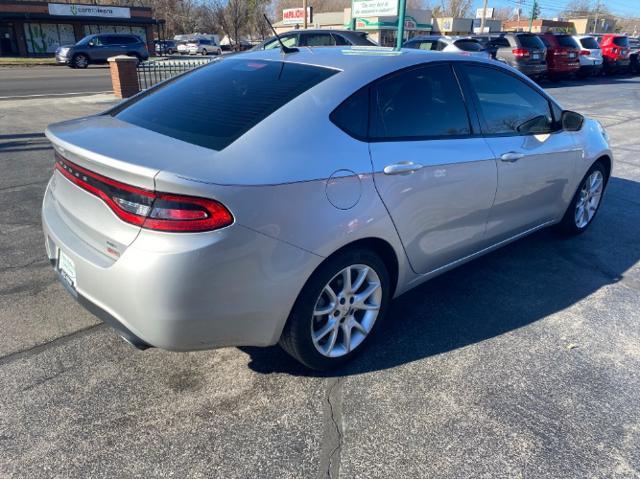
30, 116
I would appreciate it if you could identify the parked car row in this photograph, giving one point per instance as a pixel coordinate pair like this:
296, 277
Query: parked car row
197, 46
558, 56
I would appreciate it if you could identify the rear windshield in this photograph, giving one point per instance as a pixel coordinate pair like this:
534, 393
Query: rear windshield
621, 41
567, 41
589, 43
530, 41
247, 91
469, 45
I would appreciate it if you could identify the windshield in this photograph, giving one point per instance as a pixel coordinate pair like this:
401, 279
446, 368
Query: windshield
253, 90
86, 40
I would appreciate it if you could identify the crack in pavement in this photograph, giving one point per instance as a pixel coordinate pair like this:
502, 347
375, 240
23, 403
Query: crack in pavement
332, 435
39, 348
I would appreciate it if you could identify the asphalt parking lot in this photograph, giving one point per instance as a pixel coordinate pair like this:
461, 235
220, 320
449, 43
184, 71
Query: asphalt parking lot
522, 364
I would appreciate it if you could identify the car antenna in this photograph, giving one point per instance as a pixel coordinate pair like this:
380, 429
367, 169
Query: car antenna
283, 47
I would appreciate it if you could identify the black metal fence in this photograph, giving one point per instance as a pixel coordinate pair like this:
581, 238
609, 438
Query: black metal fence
155, 71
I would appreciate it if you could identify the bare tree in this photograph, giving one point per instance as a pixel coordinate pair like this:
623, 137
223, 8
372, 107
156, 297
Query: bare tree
232, 17
453, 8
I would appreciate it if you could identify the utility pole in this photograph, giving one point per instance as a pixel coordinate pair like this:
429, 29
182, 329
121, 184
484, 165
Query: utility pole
518, 11
533, 13
595, 22
304, 8
402, 7
484, 16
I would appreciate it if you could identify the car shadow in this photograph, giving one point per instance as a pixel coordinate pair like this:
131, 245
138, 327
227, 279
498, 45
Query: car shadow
508, 289
591, 80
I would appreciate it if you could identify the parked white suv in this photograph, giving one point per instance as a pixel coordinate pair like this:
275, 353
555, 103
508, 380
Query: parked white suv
590, 55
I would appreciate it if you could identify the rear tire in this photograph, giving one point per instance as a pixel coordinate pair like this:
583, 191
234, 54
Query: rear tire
586, 201
330, 323
204, 52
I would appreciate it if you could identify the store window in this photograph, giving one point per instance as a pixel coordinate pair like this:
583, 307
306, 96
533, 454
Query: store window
46, 37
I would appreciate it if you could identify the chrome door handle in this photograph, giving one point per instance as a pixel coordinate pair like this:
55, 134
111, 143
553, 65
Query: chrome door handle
402, 167
511, 156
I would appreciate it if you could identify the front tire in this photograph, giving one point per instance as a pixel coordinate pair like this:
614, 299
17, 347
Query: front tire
80, 61
586, 201
204, 52
338, 310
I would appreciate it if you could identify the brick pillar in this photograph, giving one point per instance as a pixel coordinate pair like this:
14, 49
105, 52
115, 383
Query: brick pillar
124, 77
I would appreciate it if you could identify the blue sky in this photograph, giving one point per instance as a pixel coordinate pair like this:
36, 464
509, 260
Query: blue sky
552, 8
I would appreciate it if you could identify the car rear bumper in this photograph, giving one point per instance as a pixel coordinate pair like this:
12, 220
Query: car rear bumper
591, 69
532, 70
617, 63
187, 291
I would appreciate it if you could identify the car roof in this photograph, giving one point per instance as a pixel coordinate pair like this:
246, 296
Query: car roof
358, 61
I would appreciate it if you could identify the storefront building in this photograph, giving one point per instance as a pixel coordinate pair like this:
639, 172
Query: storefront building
382, 30
30, 28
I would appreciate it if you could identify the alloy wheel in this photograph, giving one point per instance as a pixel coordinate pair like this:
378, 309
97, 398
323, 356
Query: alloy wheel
589, 199
346, 310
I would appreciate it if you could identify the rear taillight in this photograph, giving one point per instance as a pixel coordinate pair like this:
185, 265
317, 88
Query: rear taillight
520, 52
146, 208
585, 52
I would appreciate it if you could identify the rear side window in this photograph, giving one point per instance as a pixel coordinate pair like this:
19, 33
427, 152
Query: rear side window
352, 116
184, 108
507, 105
420, 103
530, 41
469, 45
589, 43
621, 41
567, 41
316, 40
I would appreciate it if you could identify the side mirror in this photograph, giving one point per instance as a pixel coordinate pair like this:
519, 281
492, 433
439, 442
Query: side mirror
571, 121
91, 44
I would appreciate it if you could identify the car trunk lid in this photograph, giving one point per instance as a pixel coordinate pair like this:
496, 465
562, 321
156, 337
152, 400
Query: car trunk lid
94, 150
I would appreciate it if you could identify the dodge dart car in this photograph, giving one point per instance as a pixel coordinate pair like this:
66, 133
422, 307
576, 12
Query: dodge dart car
323, 184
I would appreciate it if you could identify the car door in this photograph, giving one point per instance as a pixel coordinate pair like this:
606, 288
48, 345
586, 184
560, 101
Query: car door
111, 46
535, 158
435, 174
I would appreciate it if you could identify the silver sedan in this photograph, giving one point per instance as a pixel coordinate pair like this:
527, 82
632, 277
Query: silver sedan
323, 184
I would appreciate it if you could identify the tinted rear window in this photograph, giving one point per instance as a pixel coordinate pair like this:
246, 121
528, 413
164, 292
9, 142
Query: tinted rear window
567, 41
187, 109
469, 45
621, 41
530, 41
589, 43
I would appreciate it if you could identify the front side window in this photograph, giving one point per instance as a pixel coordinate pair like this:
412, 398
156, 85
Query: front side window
183, 108
420, 103
507, 105
340, 40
